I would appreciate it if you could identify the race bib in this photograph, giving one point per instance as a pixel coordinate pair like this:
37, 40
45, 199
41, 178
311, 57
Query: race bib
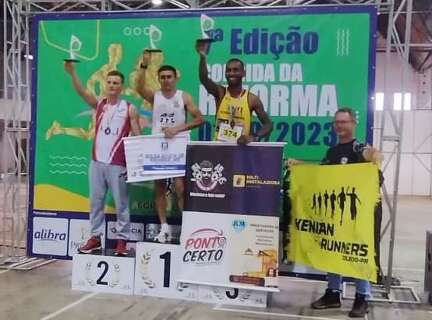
167, 119
229, 134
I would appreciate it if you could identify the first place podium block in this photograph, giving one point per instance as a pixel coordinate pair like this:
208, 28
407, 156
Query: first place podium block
156, 274
103, 273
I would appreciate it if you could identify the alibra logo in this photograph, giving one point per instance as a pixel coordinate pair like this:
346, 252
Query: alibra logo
48, 234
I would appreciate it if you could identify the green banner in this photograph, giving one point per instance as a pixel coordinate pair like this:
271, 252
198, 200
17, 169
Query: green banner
302, 64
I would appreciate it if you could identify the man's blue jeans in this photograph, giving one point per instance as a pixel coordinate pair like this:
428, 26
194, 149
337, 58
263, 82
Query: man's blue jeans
335, 283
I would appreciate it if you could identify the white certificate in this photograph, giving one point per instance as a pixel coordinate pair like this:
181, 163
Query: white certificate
154, 157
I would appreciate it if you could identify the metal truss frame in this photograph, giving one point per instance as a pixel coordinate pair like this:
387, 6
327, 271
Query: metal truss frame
17, 71
403, 10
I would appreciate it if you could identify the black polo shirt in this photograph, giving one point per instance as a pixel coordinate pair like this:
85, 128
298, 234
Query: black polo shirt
343, 153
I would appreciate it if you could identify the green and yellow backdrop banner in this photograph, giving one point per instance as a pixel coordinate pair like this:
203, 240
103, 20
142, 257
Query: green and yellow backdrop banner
302, 63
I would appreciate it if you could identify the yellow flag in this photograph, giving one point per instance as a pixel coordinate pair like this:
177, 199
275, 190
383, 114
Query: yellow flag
332, 225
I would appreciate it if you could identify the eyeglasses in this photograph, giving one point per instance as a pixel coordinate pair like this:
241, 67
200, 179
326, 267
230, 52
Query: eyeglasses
342, 121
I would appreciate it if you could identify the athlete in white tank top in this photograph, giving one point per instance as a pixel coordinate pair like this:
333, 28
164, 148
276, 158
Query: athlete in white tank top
168, 112
169, 118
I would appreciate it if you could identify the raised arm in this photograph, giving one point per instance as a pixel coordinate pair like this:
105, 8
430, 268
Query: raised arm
197, 118
89, 98
141, 86
214, 89
134, 121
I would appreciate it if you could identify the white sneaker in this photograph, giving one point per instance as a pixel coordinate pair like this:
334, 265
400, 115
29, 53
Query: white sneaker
164, 236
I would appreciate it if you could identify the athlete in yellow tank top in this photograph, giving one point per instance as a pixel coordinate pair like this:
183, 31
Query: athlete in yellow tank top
234, 105
233, 118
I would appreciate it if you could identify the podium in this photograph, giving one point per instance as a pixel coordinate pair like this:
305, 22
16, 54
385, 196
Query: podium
152, 271
157, 272
229, 244
103, 273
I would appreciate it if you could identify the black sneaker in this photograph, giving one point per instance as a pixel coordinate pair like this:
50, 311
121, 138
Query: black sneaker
360, 306
331, 299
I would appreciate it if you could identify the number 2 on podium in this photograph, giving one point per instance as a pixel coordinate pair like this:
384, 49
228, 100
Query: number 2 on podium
104, 272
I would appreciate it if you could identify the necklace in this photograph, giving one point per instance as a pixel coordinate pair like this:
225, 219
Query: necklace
108, 123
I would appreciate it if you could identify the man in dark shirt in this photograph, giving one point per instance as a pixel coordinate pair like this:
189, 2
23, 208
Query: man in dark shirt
348, 150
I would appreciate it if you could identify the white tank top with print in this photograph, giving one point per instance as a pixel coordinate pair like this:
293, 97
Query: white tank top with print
168, 112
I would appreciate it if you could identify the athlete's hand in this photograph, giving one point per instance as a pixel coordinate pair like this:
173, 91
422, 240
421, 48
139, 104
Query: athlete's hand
69, 67
169, 132
244, 139
200, 47
146, 58
292, 162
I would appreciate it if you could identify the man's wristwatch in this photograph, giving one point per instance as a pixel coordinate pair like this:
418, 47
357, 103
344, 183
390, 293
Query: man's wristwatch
143, 66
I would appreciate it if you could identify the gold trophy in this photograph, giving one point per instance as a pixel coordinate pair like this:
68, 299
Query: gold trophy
207, 26
155, 35
74, 48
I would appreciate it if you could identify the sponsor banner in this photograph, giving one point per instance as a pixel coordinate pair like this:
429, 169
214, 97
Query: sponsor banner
136, 231
153, 229
234, 179
154, 157
237, 251
79, 232
332, 224
50, 236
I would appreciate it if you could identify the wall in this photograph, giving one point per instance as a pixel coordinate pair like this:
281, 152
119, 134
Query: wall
416, 158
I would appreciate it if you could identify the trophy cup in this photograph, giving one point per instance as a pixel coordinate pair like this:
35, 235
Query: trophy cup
74, 48
207, 26
155, 35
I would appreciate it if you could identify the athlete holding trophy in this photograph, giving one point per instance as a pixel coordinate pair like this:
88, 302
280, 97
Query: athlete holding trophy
170, 107
234, 105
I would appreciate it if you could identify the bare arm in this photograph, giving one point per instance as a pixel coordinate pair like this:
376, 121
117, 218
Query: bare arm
89, 98
141, 86
197, 118
267, 125
373, 155
214, 89
134, 121
292, 162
